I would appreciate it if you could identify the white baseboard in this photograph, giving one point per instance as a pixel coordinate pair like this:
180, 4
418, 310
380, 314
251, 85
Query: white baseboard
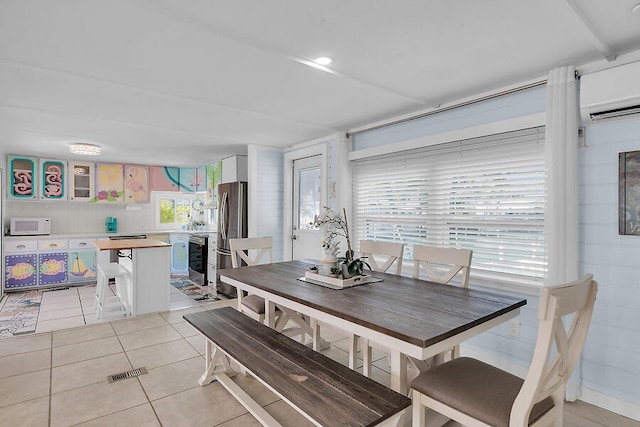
610, 403
613, 404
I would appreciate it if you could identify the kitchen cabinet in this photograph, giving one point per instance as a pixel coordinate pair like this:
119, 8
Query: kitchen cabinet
22, 178
201, 176
136, 184
109, 183
148, 278
163, 178
234, 169
188, 179
53, 179
179, 252
81, 181
82, 259
52, 268
20, 270
214, 176
52, 245
43, 262
20, 264
82, 265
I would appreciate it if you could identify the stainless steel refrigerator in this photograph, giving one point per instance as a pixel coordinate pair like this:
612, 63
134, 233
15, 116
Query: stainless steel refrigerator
232, 224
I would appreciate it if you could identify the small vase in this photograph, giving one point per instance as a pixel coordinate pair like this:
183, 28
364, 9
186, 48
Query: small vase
325, 266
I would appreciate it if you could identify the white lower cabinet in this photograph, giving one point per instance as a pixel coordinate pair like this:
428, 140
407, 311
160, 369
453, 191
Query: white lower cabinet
46, 262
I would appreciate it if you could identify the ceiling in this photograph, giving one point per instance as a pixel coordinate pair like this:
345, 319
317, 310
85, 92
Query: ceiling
186, 82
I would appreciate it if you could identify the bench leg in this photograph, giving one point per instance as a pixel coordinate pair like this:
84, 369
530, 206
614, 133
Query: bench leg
216, 362
245, 400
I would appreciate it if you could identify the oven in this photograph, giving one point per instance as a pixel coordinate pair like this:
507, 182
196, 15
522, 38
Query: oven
198, 258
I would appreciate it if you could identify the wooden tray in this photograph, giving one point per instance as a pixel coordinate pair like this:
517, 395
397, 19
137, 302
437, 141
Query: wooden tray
337, 283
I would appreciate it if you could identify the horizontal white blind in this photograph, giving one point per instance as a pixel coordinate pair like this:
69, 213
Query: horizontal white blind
485, 194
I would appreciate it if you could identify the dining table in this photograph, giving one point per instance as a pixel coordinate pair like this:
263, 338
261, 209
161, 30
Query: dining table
411, 318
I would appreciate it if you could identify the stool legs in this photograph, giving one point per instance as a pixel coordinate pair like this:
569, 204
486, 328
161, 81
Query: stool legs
105, 272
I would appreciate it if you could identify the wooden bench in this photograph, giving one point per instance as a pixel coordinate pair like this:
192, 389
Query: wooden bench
323, 390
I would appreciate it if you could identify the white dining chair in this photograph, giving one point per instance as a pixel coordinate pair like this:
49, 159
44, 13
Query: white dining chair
381, 256
474, 393
441, 265
252, 251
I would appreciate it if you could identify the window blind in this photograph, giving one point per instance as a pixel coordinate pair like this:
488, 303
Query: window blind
486, 194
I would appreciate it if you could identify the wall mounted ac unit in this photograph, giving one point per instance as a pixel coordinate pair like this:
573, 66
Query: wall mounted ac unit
614, 92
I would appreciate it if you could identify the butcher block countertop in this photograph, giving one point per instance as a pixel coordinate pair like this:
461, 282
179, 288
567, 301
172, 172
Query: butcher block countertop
107, 245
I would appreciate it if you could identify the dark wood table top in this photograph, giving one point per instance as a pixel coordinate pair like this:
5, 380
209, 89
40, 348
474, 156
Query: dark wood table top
415, 311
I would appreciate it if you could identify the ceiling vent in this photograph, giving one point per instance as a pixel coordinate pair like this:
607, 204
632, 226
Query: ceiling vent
610, 93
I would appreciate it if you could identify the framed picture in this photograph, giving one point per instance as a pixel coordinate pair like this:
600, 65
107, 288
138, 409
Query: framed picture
629, 196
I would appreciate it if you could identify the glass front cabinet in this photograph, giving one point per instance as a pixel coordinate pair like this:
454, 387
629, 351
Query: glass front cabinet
22, 178
81, 181
53, 179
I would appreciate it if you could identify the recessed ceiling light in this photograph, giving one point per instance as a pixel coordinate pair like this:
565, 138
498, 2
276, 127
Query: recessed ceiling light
636, 9
84, 149
323, 60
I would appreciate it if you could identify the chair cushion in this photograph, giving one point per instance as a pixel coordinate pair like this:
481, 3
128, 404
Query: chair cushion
477, 389
254, 303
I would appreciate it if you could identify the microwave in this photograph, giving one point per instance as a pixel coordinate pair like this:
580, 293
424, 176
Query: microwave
21, 226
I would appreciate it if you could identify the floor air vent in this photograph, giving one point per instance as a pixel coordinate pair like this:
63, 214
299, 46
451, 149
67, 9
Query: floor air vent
124, 375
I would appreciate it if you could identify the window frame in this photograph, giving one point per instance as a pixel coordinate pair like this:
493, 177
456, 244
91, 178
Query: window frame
158, 196
485, 278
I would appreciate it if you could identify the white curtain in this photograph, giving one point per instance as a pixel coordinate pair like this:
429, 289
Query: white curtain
561, 210
561, 160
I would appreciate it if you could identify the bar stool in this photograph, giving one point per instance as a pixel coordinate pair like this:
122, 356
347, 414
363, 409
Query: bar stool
106, 272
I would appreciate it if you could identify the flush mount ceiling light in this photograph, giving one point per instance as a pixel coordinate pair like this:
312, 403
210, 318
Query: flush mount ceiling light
84, 149
319, 63
323, 60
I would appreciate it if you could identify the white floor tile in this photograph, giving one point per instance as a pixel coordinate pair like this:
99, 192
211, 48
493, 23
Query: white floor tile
94, 401
60, 304
59, 314
58, 324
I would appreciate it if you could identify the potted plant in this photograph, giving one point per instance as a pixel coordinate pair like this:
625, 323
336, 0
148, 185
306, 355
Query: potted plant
313, 269
335, 225
352, 266
335, 270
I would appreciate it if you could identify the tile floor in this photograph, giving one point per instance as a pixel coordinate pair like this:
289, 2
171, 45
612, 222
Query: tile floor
55, 309
57, 376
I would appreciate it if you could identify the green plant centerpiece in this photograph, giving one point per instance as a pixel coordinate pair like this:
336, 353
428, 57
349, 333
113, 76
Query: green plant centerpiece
335, 225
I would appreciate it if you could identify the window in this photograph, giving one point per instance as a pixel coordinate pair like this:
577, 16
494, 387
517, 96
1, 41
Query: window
485, 194
172, 210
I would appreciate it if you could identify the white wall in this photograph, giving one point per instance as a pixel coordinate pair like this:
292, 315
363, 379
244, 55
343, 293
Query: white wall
83, 217
266, 196
611, 367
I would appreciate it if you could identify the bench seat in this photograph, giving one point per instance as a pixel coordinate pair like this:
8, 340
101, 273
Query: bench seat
325, 391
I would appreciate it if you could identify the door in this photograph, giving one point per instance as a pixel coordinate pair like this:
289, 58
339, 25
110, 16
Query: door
307, 196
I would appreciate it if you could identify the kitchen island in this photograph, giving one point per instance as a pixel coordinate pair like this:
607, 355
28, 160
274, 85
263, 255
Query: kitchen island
147, 263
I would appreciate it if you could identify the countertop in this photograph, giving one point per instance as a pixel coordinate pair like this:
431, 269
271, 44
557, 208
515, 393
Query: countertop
108, 245
103, 235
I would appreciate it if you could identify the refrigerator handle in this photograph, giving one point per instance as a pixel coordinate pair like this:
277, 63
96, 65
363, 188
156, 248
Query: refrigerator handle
223, 215
240, 233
